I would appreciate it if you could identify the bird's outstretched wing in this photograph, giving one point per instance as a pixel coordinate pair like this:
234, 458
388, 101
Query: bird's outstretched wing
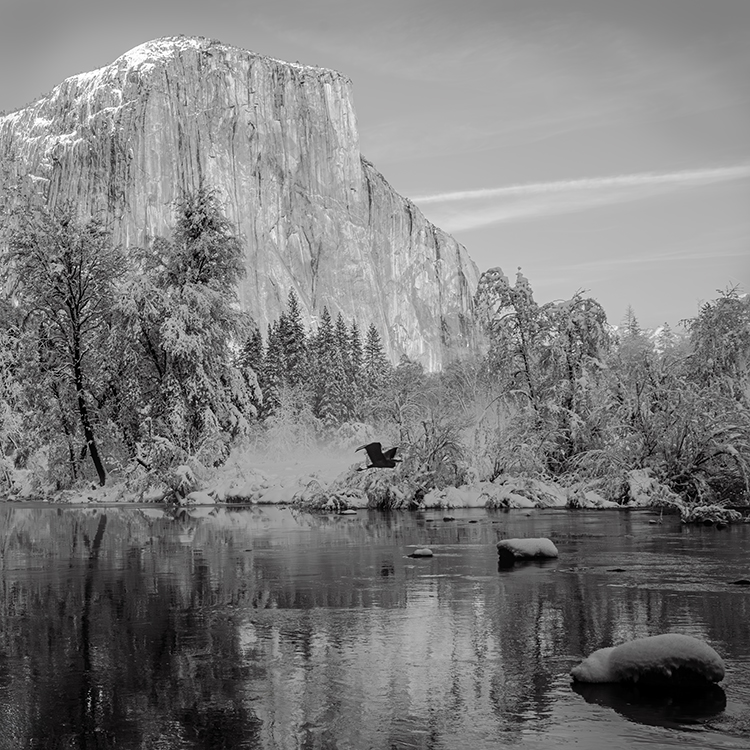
373, 451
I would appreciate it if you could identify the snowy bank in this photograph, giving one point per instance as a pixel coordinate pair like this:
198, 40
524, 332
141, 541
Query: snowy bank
670, 658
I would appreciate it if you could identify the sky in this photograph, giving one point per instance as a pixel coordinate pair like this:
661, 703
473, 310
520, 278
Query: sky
601, 146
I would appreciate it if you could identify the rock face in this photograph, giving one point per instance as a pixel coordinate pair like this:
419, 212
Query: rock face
279, 142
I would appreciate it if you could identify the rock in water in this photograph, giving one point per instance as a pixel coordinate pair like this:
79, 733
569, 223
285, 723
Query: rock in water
421, 552
512, 550
279, 143
669, 659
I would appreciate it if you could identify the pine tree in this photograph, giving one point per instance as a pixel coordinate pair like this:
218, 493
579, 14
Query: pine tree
354, 373
376, 368
630, 326
324, 344
251, 364
341, 337
355, 352
252, 351
294, 345
183, 303
345, 376
272, 374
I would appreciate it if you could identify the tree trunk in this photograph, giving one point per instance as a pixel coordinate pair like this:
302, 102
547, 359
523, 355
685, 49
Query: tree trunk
88, 432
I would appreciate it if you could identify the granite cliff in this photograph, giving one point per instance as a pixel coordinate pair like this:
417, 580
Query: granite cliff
279, 142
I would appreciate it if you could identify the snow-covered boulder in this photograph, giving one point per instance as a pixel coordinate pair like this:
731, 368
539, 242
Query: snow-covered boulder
504, 497
383, 488
155, 494
465, 496
670, 658
278, 494
643, 490
199, 498
315, 496
513, 550
182, 480
242, 487
525, 492
589, 499
708, 514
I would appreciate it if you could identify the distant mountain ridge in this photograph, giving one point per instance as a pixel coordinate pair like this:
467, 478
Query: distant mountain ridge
279, 142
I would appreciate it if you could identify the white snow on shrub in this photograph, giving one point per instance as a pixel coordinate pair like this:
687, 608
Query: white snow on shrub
523, 549
670, 657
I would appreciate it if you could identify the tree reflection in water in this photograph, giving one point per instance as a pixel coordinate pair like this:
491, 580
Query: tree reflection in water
265, 628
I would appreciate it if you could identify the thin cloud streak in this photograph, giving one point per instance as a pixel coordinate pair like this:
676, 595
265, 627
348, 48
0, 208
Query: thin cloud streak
686, 177
471, 209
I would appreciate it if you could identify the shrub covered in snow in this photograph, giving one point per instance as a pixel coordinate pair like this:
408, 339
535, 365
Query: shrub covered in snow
710, 514
670, 658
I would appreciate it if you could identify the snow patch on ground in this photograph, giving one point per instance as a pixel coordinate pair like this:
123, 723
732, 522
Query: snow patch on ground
258, 477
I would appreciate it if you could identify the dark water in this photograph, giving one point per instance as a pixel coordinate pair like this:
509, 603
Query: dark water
267, 628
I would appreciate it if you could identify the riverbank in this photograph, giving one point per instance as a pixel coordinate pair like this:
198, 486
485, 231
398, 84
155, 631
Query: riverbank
333, 480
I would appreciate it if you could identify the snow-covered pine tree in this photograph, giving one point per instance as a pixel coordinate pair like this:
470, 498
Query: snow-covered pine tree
327, 376
251, 364
272, 372
182, 302
630, 327
355, 352
252, 351
293, 343
354, 374
376, 369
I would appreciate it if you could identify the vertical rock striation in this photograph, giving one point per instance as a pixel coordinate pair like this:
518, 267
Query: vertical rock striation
279, 142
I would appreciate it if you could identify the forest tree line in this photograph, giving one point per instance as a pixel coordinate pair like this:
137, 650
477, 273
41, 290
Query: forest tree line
132, 364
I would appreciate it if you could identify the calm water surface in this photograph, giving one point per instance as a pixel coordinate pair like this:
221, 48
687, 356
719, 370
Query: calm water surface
269, 628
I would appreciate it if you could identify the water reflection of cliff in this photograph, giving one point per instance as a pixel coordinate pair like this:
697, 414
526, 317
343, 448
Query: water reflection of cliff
268, 629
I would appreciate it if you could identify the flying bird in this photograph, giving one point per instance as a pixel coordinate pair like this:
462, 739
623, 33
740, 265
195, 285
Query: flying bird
378, 459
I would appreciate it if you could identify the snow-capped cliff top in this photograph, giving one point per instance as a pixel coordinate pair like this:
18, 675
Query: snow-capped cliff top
150, 53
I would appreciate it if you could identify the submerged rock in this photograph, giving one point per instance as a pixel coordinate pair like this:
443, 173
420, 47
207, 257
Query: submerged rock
670, 658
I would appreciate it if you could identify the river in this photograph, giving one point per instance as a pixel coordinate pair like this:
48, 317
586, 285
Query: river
128, 627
